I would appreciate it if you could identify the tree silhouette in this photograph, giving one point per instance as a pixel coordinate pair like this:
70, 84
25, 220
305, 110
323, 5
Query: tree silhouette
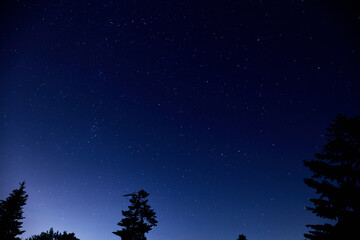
241, 237
11, 214
51, 235
138, 220
336, 177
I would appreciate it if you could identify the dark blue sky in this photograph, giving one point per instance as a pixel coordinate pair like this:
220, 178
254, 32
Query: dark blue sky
210, 106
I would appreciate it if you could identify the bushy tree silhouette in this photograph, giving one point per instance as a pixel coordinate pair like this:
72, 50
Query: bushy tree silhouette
138, 220
11, 214
242, 237
51, 235
336, 177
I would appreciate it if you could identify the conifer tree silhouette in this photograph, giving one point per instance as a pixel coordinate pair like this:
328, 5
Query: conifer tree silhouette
242, 237
138, 220
51, 235
11, 214
336, 177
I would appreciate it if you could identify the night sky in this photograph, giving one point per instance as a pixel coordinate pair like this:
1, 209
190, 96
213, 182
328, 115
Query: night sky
210, 106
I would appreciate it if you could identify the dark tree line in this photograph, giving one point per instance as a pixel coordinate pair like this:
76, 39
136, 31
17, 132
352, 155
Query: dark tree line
138, 219
336, 178
51, 235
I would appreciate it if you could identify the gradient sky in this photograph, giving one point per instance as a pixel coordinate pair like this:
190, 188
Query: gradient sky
210, 106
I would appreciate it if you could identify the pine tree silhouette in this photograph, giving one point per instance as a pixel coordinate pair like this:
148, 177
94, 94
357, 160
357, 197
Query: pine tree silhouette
138, 220
336, 177
11, 214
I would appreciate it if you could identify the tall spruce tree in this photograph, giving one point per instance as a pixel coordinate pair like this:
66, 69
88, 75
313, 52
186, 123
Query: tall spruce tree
336, 177
11, 214
138, 220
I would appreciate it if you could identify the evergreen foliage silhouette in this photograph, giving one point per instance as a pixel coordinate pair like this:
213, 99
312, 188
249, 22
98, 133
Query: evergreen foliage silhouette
51, 235
336, 177
11, 214
242, 237
138, 220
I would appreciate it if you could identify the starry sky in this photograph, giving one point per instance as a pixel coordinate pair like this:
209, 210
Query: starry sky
210, 106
